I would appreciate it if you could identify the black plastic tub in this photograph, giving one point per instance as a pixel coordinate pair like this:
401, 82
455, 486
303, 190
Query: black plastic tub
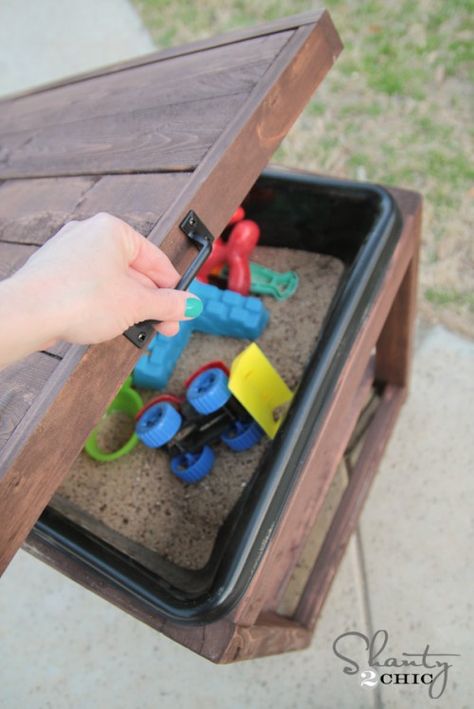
359, 224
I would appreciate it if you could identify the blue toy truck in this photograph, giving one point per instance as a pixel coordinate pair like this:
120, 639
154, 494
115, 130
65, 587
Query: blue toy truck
188, 427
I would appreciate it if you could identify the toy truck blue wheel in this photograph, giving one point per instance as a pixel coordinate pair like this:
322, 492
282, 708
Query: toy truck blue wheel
242, 436
193, 467
209, 391
158, 424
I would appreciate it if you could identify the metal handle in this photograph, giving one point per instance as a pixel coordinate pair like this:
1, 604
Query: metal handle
141, 333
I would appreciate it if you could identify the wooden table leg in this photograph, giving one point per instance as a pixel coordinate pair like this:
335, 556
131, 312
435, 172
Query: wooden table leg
395, 344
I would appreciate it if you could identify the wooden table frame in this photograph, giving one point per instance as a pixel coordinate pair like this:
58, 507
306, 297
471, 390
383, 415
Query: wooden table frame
381, 355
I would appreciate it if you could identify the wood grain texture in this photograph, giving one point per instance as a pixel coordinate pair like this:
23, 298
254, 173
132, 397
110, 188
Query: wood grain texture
20, 384
140, 200
270, 635
31, 464
296, 584
13, 256
58, 349
332, 459
163, 115
350, 507
395, 346
32, 473
176, 137
31, 211
209, 74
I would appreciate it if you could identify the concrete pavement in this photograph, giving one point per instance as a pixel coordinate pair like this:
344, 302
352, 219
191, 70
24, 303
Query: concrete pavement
51, 39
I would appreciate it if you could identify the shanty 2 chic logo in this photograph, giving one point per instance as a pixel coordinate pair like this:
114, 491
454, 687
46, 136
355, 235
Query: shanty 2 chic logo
426, 669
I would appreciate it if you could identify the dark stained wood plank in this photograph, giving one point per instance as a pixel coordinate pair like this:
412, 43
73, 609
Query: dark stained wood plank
140, 200
12, 257
350, 406
32, 465
58, 349
270, 635
409, 202
171, 138
33, 210
207, 75
20, 384
162, 116
395, 346
232, 37
31, 473
350, 507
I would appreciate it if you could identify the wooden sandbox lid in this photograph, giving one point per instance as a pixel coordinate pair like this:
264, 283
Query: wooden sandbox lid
147, 140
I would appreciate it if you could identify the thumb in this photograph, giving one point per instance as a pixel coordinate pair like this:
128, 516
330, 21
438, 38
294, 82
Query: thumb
167, 304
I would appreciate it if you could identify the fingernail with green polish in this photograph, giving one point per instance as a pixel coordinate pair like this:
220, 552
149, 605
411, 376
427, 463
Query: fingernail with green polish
193, 308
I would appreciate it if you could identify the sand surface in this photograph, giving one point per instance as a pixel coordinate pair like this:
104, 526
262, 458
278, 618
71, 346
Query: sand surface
139, 497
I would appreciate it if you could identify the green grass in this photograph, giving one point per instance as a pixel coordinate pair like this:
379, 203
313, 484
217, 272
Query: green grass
395, 109
442, 298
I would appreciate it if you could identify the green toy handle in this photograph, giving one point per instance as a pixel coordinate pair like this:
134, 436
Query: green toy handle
127, 401
264, 281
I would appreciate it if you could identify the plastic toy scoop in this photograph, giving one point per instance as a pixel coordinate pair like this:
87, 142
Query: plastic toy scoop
127, 401
264, 281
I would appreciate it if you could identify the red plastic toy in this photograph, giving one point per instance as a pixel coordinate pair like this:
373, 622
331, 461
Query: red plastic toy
234, 253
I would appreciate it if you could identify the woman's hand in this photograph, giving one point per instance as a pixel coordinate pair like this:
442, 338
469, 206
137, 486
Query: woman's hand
89, 283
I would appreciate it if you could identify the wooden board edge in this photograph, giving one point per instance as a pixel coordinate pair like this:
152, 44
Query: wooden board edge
410, 202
